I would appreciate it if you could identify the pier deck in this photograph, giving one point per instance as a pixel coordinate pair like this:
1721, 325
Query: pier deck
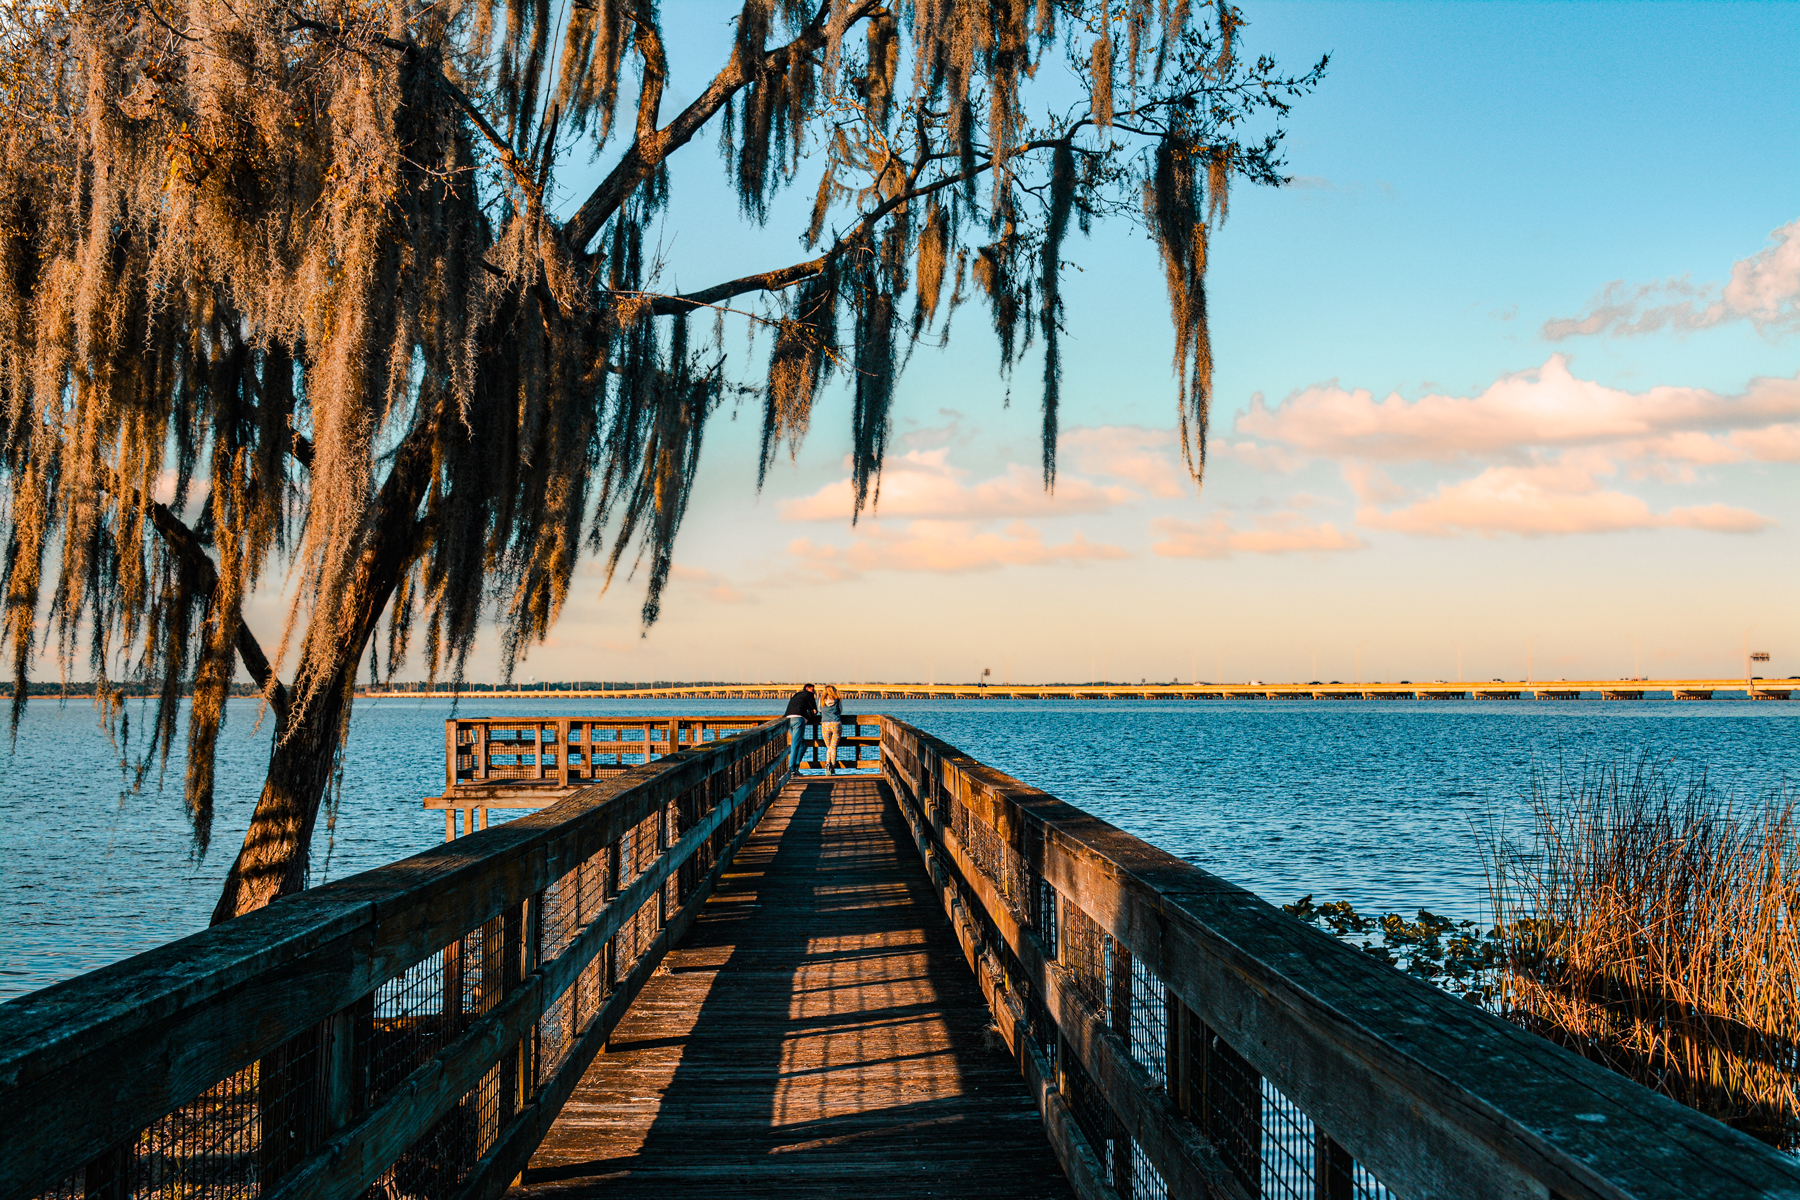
694, 967
817, 1032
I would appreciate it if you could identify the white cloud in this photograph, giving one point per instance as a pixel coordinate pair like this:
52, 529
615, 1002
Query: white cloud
1563, 496
1148, 458
1547, 406
1764, 289
945, 547
923, 484
1277, 533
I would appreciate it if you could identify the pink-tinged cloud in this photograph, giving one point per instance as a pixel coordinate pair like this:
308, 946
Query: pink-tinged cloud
708, 584
945, 547
1280, 533
1777, 443
1764, 289
1546, 407
922, 484
1147, 458
1557, 498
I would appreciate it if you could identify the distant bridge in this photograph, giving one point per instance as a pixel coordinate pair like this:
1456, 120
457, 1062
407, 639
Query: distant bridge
1558, 689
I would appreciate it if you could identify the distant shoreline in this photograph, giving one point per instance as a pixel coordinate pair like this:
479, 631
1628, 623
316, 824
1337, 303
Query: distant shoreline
1757, 689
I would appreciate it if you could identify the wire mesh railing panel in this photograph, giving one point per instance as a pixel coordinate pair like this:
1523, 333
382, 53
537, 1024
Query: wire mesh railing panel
78, 1186
211, 1148
415, 1014
1147, 1182
1149, 1032
1085, 952
440, 1161
1045, 918
556, 1032
1287, 1148
560, 914
1087, 1104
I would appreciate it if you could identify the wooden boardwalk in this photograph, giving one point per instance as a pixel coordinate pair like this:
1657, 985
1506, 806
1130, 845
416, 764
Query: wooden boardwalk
817, 1033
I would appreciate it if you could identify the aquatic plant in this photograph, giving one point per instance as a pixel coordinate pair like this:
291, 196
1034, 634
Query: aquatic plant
1458, 956
288, 291
1647, 924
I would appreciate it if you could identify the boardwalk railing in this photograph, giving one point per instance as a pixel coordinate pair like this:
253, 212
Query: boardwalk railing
1184, 1038
413, 1029
531, 761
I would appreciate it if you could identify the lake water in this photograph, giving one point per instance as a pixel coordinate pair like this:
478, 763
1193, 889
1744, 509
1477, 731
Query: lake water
1374, 802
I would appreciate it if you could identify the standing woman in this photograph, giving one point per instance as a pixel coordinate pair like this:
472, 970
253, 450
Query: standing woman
831, 715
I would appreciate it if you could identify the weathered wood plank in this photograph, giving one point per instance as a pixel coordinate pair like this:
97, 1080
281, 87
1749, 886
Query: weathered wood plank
814, 1034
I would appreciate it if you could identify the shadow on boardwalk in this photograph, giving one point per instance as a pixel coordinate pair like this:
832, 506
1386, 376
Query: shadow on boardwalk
817, 1033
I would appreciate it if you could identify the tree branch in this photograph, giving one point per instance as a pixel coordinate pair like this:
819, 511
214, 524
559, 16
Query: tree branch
765, 281
206, 581
652, 146
786, 277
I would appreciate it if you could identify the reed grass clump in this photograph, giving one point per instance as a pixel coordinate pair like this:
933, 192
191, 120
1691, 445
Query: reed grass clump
1648, 924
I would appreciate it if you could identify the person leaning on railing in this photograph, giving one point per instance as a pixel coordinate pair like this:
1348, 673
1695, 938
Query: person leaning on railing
801, 704
831, 718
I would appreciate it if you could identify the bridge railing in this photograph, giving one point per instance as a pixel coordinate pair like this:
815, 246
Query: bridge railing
1185, 1039
412, 1030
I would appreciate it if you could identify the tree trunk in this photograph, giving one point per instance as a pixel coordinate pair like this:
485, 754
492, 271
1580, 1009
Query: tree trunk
273, 860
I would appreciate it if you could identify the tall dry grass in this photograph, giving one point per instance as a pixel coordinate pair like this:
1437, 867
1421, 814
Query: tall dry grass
1649, 925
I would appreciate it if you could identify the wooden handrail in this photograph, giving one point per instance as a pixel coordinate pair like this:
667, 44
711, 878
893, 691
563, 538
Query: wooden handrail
347, 1022
553, 755
1190, 1009
561, 751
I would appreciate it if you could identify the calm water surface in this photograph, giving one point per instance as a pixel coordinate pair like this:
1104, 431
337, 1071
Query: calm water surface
1374, 802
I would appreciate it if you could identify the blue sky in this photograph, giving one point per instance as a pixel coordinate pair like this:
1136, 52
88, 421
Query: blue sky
1591, 504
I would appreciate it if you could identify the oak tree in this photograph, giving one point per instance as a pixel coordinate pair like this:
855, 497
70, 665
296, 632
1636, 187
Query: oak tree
287, 293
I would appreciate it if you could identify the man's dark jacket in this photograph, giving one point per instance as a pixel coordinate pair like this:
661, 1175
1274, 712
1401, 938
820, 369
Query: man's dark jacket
803, 704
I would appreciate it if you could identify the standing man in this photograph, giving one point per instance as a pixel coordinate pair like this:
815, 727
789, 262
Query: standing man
804, 706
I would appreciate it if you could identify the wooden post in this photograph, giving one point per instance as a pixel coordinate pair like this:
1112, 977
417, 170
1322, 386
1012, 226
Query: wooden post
479, 746
344, 1067
512, 961
1120, 1003
1175, 1051
450, 756
537, 733
1121, 991
665, 817
451, 1007
609, 971
532, 954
